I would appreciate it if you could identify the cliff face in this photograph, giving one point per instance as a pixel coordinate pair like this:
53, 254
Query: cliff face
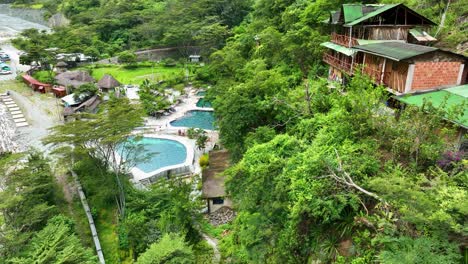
32, 15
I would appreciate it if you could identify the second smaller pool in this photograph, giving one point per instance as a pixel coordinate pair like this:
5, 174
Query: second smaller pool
202, 102
197, 119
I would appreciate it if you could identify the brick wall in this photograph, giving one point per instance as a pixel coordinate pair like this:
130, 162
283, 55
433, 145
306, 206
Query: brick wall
429, 75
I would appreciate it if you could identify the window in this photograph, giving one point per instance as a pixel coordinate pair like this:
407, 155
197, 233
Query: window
218, 200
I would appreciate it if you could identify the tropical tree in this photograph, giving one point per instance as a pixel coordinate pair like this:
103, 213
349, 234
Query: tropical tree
171, 249
56, 243
106, 136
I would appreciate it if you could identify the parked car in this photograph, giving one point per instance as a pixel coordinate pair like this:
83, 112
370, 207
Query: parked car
4, 57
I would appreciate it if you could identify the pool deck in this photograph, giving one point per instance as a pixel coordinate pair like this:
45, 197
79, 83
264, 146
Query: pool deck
188, 104
162, 128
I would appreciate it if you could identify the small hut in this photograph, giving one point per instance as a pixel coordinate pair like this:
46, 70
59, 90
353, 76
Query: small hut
108, 82
194, 58
61, 67
74, 78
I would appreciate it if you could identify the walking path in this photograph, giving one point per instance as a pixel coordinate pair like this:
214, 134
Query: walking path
214, 244
94, 233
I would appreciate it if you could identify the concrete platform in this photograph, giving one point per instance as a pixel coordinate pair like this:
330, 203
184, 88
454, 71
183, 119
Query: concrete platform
22, 124
7, 100
9, 103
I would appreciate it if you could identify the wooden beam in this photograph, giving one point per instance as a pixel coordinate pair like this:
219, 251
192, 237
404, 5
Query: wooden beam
406, 16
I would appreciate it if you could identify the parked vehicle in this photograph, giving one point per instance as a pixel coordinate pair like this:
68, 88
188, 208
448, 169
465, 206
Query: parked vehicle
4, 57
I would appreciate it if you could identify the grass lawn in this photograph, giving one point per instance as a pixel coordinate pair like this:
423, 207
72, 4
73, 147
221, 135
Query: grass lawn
138, 74
14, 85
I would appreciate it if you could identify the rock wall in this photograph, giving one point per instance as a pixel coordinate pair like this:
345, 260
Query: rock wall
32, 15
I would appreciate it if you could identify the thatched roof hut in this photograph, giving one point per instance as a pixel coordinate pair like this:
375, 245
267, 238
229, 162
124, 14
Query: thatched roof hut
61, 64
108, 82
74, 78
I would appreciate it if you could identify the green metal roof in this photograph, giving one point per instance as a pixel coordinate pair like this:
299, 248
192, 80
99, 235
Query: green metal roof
352, 12
461, 90
421, 35
339, 48
451, 97
373, 41
395, 50
371, 14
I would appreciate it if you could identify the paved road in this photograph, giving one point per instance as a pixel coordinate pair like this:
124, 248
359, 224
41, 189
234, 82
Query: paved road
11, 27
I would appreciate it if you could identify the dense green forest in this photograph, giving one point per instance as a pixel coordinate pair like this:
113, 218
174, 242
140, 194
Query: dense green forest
318, 175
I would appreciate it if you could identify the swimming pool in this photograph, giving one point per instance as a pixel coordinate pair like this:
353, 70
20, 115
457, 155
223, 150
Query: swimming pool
161, 153
197, 119
202, 102
201, 93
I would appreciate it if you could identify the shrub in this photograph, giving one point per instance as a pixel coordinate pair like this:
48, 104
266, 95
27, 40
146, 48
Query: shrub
204, 161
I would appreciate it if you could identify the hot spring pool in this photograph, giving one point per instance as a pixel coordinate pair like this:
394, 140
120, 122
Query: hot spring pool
164, 152
202, 102
201, 93
197, 119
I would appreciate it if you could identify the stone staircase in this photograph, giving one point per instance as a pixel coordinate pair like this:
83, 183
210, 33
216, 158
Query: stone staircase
15, 111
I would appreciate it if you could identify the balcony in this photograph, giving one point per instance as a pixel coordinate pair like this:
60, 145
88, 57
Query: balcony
337, 63
343, 40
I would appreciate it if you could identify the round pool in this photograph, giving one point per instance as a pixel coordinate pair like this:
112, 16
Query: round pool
196, 119
161, 153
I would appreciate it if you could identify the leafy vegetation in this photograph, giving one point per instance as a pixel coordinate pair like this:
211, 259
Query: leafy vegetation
320, 174
28, 200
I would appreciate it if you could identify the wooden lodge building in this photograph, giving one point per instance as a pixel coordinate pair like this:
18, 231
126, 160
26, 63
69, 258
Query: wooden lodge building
390, 44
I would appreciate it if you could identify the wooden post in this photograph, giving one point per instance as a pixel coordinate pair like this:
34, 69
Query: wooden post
350, 36
363, 63
406, 14
383, 70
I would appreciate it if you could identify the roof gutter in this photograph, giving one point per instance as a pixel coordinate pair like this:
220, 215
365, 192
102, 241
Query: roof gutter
377, 54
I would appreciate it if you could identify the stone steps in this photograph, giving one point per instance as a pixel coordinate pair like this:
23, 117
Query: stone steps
14, 110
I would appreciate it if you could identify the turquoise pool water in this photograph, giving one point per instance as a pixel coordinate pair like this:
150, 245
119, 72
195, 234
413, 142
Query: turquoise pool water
202, 102
161, 152
201, 93
197, 119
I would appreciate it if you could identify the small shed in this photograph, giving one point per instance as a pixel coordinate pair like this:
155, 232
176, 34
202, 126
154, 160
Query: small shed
108, 82
59, 91
213, 189
195, 58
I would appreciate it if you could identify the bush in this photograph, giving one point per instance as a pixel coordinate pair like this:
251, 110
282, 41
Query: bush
204, 161
127, 57
169, 62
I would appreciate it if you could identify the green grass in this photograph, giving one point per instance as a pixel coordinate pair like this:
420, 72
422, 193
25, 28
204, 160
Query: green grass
138, 74
16, 86
32, 6
44, 76
214, 231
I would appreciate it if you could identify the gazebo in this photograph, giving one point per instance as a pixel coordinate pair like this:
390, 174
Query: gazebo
61, 67
108, 82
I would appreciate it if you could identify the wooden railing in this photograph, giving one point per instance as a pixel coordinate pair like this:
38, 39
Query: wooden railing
337, 63
343, 40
